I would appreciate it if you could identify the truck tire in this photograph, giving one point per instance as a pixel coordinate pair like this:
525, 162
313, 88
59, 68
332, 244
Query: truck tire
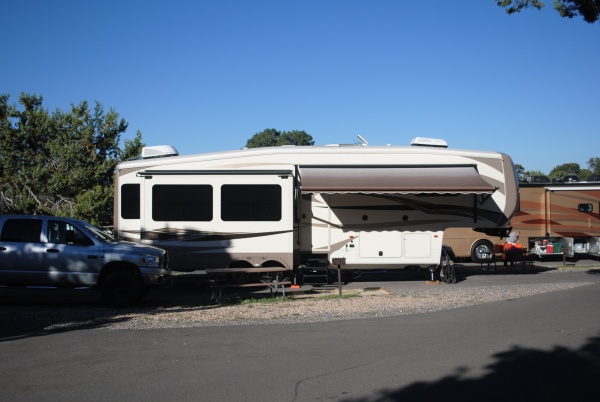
481, 251
120, 289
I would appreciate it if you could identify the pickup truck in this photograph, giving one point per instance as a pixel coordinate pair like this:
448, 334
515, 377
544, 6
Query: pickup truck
63, 252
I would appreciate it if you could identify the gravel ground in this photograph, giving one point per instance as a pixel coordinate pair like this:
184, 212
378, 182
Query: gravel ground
366, 305
40, 319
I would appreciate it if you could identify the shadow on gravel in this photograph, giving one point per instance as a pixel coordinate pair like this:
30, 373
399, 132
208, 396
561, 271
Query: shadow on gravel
518, 374
420, 275
38, 312
400, 275
463, 272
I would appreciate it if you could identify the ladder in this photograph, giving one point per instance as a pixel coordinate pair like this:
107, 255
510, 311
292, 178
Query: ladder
316, 272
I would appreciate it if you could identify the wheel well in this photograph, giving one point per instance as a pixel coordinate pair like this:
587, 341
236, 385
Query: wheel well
118, 266
273, 264
241, 264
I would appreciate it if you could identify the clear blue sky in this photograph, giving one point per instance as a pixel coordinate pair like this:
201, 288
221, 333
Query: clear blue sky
206, 75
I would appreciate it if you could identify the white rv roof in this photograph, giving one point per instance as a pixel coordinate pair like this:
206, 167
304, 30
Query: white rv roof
296, 155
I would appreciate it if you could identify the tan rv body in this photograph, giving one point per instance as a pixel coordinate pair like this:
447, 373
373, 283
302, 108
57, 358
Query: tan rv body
367, 207
566, 213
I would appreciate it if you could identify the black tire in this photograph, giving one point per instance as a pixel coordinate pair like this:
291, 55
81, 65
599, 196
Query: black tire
144, 292
451, 273
481, 251
447, 272
120, 289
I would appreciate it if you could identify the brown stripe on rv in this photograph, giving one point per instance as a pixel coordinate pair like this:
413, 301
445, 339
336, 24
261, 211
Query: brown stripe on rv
431, 179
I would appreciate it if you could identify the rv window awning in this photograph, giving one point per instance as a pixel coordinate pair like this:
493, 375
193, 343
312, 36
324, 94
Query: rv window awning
398, 179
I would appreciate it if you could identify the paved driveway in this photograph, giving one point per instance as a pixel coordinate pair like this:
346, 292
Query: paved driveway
544, 347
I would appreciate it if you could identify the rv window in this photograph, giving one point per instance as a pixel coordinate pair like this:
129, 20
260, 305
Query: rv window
260, 202
130, 201
179, 202
585, 208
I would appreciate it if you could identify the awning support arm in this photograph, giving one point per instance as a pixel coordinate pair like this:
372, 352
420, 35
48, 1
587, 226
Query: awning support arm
485, 197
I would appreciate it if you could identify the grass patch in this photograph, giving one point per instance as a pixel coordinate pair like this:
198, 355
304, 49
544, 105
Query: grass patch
252, 301
338, 297
261, 300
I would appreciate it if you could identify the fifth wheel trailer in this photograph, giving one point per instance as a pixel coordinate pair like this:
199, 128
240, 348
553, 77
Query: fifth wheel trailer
550, 213
366, 207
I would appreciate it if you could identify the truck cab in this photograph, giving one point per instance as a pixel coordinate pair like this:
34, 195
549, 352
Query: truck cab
64, 252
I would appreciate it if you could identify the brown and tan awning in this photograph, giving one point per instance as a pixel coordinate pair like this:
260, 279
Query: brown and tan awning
398, 179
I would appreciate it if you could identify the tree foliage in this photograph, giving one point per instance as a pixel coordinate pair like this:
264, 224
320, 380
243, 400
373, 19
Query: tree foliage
61, 163
594, 165
589, 10
560, 171
271, 137
520, 170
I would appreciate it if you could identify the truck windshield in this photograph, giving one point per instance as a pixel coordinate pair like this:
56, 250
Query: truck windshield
100, 234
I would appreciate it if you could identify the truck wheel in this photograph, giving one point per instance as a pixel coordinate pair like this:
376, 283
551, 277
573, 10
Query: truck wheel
481, 251
144, 292
120, 289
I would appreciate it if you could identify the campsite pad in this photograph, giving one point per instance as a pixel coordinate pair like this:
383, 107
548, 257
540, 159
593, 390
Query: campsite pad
333, 291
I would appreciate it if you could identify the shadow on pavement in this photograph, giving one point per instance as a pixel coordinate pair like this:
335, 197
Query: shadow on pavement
518, 375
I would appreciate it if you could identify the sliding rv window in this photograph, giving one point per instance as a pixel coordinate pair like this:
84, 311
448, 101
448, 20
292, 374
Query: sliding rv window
248, 202
130, 201
179, 202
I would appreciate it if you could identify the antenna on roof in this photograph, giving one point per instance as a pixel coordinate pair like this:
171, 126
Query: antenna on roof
364, 142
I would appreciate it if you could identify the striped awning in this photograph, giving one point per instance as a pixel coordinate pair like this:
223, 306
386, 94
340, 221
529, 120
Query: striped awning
397, 180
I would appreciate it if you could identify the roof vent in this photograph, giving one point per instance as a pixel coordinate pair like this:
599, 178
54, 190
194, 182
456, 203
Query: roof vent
159, 151
428, 142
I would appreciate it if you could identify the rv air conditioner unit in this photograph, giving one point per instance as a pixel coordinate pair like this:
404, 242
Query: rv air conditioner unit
429, 142
159, 151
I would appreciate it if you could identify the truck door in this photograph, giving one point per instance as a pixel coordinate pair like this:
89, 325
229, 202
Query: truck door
70, 256
21, 252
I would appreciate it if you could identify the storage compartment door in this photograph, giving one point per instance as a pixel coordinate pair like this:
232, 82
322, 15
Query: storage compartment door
380, 244
417, 245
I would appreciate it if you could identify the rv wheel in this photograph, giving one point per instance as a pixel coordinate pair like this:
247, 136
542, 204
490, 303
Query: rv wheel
481, 251
240, 278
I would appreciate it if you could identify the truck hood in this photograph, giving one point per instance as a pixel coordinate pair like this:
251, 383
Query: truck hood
136, 247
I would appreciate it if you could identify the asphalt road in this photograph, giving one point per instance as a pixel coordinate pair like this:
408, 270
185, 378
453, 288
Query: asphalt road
537, 348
